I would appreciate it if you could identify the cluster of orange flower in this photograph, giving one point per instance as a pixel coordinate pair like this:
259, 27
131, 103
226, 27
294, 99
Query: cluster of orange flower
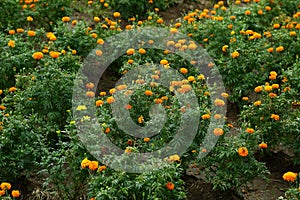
4, 187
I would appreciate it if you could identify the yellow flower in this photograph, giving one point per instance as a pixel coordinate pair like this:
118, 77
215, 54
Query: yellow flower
31, 33
164, 62
174, 158
257, 103
275, 117
29, 18
97, 19
54, 54
205, 116
116, 14
85, 163
81, 107
219, 102
268, 88
11, 43
279, 49
183, 70
93, 165
224, 48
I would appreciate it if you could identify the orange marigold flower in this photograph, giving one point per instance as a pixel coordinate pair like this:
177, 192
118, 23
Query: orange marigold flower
218, 131
102, 93
268, 88
98, 52
97, 19
107, 130
276, 26
250, 130
38, 55
257, 103
205, 116
268, 8
31, 33
270, 50
2, 107
15, 193
85, 163
141, 119
99, 103
93, 165
90, 94
130, 51
183, 70
275, 86
247, 12
263, 145
12, 89
290, 176
219, 102
116, 14
164, 62
65, 19
5, 186
224, 48
245, 98
102, 168
110, 100
235, 54
20, 30
11, 43
146, 139
2, 193
170, 186
11, 32
142, 51
148, 93
275, 117
225, 95
89, 85
243, 151
217, 116
54, 54
279, 49
272, 95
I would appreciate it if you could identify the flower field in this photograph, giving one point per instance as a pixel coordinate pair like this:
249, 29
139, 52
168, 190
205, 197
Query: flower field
216, 90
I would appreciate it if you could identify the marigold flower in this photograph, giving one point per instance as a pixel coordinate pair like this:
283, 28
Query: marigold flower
225, 95
15, 193
272, 95
11, 32
99, 103
110, 100
2, 193
218, 131
130, 51
38, 55
293, 33
174, 158
276, 26
268, 88
81, 107
219, 102
142, 51
263, 145
20, 30
290, 176
90, 94
11, 43
164, 62
97, 19
2, 107
235, 54
245, 98
257, 103
275, 117
268, 8
279, 49
102, 168
260, 12
146, 139
5, 186
85, 163
170, 186
183, 70
31, 33
54, 54
107, 130
1, 92
148, 93
29, 18
116, 14
243, 151
205, 116
250, 130
93, 165
65, 19
247, 12
224, 48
